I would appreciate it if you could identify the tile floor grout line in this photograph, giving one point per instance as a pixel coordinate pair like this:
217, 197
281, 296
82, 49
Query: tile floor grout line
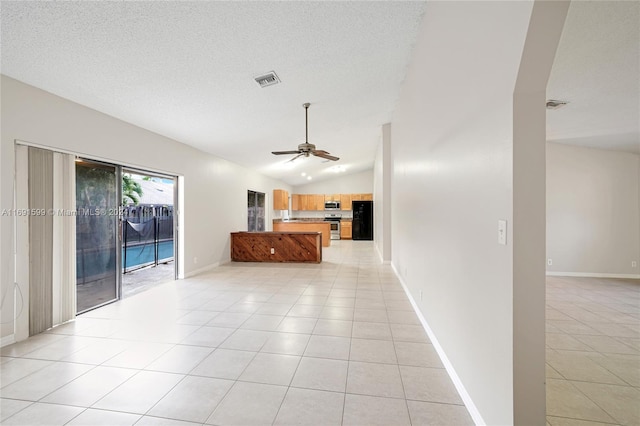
362, 280
395, 350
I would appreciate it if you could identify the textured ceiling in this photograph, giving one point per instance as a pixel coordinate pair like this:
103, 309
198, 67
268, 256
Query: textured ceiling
185, 70
597, 69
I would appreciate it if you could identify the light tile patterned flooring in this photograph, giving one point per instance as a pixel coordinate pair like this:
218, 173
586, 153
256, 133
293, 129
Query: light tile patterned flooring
336, 343
593, 351
245, 344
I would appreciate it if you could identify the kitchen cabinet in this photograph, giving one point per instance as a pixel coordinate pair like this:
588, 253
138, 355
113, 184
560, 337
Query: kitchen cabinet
299, 202
318, 201
307, 201
295, 201
312, 202
315, 202
303, 202
280, 199
345, 230
345, 202
361, 197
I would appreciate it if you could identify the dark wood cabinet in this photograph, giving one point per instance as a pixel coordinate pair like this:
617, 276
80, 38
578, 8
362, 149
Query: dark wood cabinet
303, 247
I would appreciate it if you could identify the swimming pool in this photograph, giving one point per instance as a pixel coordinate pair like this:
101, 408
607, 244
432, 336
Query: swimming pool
144, 254
95, 263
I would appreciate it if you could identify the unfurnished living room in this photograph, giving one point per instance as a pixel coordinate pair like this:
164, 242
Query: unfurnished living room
336, 213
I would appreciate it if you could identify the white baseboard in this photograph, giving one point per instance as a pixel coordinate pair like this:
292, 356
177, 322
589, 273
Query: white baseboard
201, 270
592, 275
7, 340
466, 398
384, 262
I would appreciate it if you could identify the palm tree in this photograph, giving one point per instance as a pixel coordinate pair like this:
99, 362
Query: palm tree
131, 191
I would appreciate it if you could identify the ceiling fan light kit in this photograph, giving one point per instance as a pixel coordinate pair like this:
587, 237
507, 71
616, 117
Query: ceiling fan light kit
305, 149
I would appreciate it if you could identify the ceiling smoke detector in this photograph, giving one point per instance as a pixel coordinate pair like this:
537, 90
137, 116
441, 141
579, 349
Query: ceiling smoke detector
554, 104
269, 79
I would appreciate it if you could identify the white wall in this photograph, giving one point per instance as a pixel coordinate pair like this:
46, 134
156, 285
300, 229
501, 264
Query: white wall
215, 190
455, 170
593, 211
382, 195
356, 183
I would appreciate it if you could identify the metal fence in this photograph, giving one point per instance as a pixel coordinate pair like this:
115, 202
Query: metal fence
147, 235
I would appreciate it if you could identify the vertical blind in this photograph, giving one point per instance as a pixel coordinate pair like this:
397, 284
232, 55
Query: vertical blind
40, 240
51, 204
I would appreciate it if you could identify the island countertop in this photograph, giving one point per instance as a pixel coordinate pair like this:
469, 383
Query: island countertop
306, 226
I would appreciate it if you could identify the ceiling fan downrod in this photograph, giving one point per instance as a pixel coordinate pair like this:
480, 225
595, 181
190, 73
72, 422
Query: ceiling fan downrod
306, 121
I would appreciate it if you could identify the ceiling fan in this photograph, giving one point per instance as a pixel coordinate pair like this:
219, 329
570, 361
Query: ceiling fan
306, 148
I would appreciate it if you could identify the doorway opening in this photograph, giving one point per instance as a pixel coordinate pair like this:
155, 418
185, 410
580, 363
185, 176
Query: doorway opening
125, 240
148, 242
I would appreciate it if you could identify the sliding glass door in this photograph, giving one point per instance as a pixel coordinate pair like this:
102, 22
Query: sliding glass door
255, 211
98, 194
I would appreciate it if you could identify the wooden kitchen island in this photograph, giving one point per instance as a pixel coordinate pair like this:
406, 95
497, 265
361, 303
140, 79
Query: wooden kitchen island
306, 226
304, 247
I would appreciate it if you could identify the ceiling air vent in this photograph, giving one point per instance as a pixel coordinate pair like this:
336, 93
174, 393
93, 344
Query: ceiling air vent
269, 79
553, 104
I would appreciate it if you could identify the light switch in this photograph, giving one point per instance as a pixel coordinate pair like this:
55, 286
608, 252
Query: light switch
502, 232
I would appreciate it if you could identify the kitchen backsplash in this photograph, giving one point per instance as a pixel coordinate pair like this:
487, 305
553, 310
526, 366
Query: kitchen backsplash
296, 214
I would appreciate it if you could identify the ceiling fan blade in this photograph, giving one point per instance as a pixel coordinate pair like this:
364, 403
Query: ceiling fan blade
285, 152
297, 156
324, 154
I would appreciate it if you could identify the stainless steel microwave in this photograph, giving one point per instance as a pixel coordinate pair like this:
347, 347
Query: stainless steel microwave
332, 205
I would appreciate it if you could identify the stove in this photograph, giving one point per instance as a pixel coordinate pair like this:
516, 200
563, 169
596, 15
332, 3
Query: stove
335, 219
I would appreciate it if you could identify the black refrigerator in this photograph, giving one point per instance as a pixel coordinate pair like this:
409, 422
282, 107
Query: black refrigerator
362, 226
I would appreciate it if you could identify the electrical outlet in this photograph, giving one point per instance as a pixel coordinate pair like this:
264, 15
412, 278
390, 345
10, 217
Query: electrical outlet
549, 262
195, 260
273, 251
634, 264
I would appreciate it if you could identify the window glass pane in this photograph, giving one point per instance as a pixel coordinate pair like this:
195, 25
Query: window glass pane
261, 212
251, 211
96, 234
255, 211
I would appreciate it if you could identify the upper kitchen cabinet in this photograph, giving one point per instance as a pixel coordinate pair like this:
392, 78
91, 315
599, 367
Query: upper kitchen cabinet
316, 202
361, 197
307, 201
280, 199
345, 201
296, 201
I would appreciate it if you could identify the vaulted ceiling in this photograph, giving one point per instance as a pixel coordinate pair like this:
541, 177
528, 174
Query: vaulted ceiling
186, 70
